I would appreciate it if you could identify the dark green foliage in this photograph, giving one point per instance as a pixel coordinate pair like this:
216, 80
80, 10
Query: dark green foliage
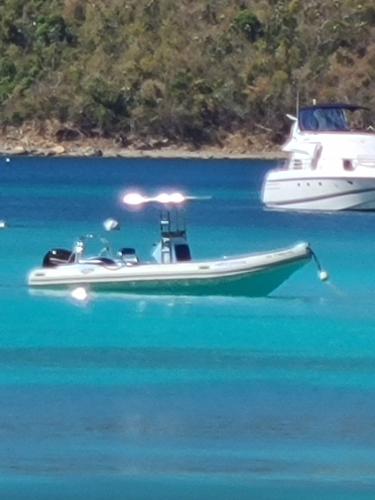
8, 69
180, 87
190, 70
247, 22
52, 29
369, 15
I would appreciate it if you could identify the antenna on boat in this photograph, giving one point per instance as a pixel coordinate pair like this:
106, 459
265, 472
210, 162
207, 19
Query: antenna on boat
297, 103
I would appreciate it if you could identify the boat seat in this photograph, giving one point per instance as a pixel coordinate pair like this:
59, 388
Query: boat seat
128, 256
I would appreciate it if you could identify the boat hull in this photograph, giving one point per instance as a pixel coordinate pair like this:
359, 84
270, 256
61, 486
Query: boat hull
290, 191
253, 275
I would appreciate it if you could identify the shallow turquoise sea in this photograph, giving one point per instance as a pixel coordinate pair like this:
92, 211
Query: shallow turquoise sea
146, 397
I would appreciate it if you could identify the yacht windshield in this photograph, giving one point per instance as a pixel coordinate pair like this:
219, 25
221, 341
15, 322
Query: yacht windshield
321, 119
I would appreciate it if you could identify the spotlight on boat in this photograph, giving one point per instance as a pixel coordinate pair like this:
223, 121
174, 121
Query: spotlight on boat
3, 224
177, 198
111, 225
134, 199
80, 294
162, 198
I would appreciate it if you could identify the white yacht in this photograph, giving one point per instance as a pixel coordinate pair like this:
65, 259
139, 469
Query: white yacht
331, 162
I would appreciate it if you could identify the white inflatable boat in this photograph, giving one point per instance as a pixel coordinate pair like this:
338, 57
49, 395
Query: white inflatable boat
172, 270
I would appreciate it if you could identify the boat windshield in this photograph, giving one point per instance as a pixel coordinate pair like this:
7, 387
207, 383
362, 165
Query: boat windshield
323, 119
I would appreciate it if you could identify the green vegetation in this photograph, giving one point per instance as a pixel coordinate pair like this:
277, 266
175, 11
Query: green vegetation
189, 70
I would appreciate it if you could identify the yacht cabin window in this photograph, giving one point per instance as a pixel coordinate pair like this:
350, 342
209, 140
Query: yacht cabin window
323, 119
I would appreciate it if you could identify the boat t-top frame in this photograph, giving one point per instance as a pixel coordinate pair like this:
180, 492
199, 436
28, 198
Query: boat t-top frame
173, 245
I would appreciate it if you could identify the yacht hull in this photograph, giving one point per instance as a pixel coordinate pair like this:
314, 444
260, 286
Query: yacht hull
250, 275
318, 193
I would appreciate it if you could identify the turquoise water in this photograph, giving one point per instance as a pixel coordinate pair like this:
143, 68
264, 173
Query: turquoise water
144, 397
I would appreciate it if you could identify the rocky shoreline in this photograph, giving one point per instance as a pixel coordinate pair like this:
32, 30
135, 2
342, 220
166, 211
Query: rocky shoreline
31, 141
81, 151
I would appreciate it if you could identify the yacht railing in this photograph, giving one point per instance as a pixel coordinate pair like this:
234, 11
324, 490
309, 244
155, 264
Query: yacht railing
301, 164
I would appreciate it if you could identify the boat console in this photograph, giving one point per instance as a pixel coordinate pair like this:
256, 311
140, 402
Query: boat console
173, 245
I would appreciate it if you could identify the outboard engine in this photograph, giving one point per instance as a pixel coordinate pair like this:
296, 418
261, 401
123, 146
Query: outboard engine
57, 256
